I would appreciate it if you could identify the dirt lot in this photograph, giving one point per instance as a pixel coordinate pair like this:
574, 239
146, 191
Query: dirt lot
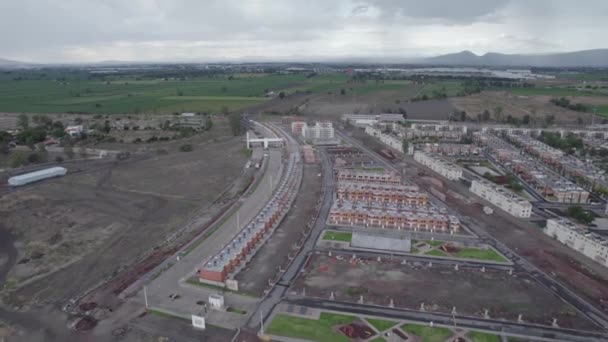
439, 288
75, 231
264, 265
517, 106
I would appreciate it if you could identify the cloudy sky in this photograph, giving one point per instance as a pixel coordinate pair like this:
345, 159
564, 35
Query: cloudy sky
207, 30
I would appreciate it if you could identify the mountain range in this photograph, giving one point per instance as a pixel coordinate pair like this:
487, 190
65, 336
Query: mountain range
584, 58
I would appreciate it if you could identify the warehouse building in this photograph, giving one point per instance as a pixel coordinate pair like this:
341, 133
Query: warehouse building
35, 176
502, 198
387, 216
592, 245
383, 193
446, 169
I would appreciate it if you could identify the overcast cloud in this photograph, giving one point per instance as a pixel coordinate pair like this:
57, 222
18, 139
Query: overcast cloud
206, 30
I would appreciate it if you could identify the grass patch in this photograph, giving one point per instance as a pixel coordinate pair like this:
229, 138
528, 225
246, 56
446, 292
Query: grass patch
381, 324
434, 243
480, 254
477, 336
337, 236
236, 310
378, 339
316, 330
164, 314
428, 334
435, 252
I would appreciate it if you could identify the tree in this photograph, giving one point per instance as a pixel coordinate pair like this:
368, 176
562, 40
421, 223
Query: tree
186, 148
69, 151
17, 159
235, 123
282, 95
405, 145
208, 122
403, 113
485, 116
526, 119
463, 116
581, 215
82, 151
23, 121
498, 113
342, 91
225, 110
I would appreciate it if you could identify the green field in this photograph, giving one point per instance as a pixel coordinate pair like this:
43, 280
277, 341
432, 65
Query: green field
480, 254
559, 91
477, 336
434, 243
112, 95
315, 330
337, 236
428, 334
435, 252
381, 324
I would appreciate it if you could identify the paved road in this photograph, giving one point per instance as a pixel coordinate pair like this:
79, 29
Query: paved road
170, 281
590, 311
279, 290
499, 326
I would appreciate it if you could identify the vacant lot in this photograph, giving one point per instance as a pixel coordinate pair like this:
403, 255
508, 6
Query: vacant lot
439, 288
537, 107
73, 232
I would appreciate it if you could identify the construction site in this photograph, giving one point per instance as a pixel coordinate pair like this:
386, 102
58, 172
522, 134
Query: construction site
435, 287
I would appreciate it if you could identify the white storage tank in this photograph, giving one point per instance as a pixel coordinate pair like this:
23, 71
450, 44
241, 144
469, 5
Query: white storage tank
36, 176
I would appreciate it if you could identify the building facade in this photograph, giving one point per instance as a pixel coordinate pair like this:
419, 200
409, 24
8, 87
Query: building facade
375, 215
580, 239
381, 177
502, 198
382, 193
446, 169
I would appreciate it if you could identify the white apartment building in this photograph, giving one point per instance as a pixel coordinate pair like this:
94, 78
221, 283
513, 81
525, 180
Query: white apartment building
502, 198
446, 169
392, 140
580, 239
370, 119
322, 130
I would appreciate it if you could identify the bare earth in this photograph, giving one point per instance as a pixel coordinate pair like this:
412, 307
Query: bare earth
440, 288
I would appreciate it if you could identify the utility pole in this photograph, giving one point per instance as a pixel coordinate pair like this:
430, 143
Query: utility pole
146, 296
261, 324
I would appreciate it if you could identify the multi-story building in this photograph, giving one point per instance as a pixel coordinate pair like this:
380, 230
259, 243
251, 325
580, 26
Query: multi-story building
449, 149
367, 176
439, 127
297, 127
502, 198
371, 119
321, 131
446, 169
382, 193
546, 182
592, 245
389, 138
425, 218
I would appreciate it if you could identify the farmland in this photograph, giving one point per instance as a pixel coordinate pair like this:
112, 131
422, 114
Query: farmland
133, 95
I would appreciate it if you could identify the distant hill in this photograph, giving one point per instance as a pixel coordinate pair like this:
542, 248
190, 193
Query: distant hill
7, 63
585, 58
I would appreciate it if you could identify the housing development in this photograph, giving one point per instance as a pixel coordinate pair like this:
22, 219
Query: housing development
253, 171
